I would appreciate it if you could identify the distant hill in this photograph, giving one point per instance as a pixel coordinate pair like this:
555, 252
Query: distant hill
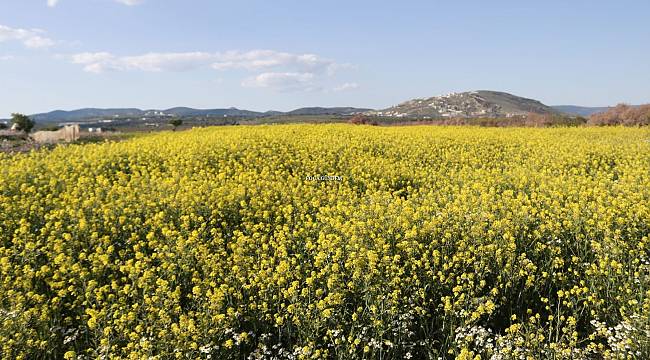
81, 114
580, 110
183, 111
327, 111
93, 113
482, 103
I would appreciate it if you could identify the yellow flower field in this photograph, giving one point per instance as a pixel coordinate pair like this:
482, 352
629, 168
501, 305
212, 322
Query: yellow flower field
330, 242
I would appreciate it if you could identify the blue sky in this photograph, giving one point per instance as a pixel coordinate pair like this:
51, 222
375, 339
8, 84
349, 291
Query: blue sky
280, 55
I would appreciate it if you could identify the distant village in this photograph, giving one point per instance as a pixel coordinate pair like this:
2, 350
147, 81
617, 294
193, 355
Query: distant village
453, 105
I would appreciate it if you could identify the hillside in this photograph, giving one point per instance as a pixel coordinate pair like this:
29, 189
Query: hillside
481, 103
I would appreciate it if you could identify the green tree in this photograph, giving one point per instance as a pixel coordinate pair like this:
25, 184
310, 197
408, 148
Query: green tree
23, 122
175, 123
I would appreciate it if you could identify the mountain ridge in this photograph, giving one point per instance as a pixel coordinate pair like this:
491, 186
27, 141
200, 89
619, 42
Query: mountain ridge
94, 113
479, 103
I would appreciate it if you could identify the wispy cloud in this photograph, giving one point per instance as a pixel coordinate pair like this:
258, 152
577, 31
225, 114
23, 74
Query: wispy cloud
31, 38
52, 3
251, 60
6, 57
152, 62
264, 59
346, 86
277, 70
287, 81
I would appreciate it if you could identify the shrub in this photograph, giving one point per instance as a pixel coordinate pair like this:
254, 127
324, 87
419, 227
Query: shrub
23, 122
623, 114
362, 120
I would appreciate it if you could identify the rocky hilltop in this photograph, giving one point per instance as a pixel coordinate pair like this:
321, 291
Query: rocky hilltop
481, 103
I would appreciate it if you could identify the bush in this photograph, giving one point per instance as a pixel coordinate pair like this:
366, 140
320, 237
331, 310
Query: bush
175, 123
50, 128
623, 114
23, 122
547, 120
362, 120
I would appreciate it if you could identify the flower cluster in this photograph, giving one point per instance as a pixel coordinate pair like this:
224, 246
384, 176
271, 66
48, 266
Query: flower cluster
437, 242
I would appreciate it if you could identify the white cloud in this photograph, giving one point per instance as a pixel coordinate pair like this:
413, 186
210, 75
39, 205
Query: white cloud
254, 60
52, 3
6, 57
94, 62
346, 86
151, 62
287, 81
264, 59
35, 42
168, 61
32, 38
278, 70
